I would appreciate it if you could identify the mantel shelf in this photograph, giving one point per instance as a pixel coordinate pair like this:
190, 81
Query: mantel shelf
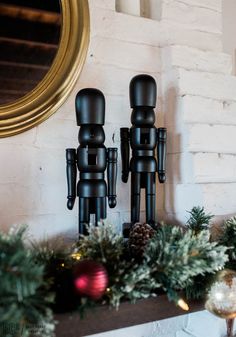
103, 319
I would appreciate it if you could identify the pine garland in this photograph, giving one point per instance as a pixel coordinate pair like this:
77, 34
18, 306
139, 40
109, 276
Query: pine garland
24, 298
175, 257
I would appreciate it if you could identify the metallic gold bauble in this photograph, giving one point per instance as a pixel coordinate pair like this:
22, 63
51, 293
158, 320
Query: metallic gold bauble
221, 298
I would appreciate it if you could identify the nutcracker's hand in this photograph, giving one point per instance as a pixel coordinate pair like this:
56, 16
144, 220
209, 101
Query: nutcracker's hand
70, 203
112, 201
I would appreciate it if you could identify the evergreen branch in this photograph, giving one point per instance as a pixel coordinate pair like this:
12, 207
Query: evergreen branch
198, 220
176, 257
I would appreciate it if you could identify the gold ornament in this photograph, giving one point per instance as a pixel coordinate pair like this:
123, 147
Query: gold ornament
221, 299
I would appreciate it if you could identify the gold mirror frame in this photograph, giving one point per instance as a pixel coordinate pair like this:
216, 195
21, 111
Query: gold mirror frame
51, 92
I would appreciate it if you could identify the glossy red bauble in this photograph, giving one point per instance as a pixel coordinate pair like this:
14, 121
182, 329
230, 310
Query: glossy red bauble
90, 279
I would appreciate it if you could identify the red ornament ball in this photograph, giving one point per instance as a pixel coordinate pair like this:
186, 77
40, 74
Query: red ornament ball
91, 279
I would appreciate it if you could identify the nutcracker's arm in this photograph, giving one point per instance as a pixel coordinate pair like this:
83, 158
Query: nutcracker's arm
161, 154
111, 175
124, 138
71, 173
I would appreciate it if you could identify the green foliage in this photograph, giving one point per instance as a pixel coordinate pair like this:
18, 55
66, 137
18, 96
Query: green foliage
105, 246
198, 220
176, 257
127, 280
200, 286
228, 239
24, 299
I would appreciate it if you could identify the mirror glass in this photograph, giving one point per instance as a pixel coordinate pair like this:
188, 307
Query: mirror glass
29, 38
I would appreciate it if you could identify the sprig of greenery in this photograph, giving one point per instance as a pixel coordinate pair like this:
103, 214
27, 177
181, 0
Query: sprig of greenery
198, 220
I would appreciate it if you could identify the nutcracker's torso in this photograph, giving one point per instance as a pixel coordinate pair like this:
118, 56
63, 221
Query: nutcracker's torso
143, 141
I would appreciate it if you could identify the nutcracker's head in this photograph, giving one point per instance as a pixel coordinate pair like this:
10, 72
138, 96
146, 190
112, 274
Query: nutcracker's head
143, 91
90, 107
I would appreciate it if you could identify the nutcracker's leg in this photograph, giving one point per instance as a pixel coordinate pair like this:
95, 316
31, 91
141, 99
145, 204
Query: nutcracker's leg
83, 215
135, 196
150, 197
98, 210
104, 207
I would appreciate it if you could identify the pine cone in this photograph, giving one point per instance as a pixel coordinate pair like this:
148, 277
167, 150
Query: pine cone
139, 236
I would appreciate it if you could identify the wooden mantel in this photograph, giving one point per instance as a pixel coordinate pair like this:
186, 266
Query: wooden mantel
104, 319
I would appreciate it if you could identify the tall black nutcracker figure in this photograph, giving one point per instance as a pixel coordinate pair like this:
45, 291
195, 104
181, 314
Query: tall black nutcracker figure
143, 138
92, 159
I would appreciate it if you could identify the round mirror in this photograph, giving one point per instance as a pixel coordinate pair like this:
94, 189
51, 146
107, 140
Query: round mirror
43, 48
29, 39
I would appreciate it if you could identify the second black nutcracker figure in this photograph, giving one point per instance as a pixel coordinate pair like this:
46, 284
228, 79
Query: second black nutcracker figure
143, 138
92, 159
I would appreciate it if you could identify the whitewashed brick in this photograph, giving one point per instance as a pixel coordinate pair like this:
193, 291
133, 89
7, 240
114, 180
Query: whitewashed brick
215, 138
118, 110
57, 134
119, 26
228, 115
187, 168
180, 198
175, 33
53, 198
178, 139
180, 169
100, 76
196, 109
123, 54
18, 199
214, 168
207, 85
200, 110
198, 18
34, 166
27, 137
107, 4
131, 7
43, 226
215, 5
195, 59
220, 199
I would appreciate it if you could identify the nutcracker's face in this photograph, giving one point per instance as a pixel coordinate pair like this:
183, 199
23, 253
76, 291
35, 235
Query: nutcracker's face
92, 135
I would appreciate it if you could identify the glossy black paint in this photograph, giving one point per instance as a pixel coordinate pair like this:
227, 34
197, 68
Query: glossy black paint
143, 138
91, 159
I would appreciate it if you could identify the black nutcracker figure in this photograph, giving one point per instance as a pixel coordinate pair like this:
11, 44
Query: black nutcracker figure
92, 159
144, 138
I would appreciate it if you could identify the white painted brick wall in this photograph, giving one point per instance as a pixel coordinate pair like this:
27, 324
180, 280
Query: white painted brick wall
216, 86
215, 5
198, 18
195, 59
196, 101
